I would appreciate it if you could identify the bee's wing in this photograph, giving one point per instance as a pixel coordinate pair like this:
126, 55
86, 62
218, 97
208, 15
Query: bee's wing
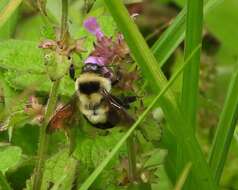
117, 108
64, 115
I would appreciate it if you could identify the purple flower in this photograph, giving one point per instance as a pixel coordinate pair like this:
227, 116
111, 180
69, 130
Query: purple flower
92, 26
95, 60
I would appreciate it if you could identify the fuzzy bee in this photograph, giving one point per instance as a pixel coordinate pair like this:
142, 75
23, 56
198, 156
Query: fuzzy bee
94, 101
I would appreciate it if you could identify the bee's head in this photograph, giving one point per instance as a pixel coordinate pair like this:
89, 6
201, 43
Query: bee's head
92, 68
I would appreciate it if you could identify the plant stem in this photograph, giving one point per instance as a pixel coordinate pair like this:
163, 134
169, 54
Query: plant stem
64, 19
132, 158
44, 137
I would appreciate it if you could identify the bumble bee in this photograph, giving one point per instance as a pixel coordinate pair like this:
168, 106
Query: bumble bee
94, 101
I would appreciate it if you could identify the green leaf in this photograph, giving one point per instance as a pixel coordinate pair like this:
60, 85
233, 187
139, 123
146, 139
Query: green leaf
225, 130
194, 26
91, 151
59, 171
21, 56
23, 63
9, 157
174, 35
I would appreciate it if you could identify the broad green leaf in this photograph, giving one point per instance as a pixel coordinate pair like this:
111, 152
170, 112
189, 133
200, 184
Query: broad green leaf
59, 171
9, 157
40, 83
22, 56
92, 150
23, 63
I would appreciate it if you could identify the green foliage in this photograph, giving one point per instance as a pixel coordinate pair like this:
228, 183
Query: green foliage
225, 131
23, 56
9, 157
91, 151
99, 159
23, 63
59, 171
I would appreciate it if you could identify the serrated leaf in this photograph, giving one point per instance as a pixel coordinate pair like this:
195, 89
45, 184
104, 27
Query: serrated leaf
9, 157
151, 130
92, 150
108, 25
37, 82
59, 171
32, 81
23, 56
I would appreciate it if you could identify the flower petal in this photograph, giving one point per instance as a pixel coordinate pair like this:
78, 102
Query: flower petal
92, 26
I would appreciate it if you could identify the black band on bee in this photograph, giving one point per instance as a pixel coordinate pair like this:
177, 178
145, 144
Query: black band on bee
89, 87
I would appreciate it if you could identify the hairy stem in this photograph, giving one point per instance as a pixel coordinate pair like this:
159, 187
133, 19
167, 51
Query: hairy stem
132, 158
44, 137
64, 19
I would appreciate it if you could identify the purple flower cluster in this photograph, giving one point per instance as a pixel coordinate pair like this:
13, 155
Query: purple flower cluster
106, 49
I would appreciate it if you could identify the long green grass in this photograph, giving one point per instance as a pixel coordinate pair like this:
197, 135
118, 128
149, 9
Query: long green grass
225, 130
8, 11
194, 26
175, 34
189, 95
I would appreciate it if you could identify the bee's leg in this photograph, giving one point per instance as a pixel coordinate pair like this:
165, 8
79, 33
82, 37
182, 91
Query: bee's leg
127, 100
72, 72
117, 78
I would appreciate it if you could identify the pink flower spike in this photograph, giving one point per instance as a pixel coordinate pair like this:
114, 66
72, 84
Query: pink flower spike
92, 26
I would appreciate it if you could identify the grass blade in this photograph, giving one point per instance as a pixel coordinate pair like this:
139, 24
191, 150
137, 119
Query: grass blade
225, 130
174, 35
104, 163
183, 177
194, 25
184, 136
10, 8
